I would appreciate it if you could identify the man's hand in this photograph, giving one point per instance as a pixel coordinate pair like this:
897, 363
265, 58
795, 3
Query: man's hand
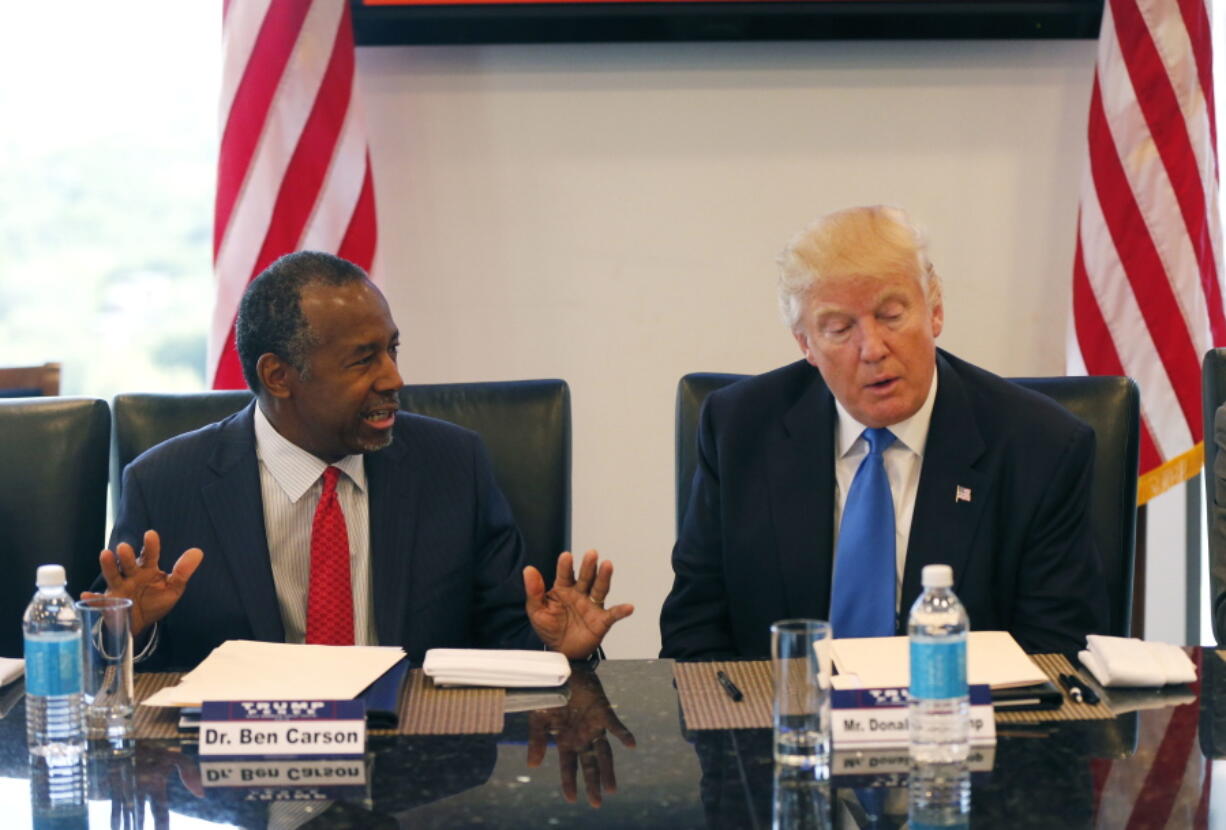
578, 729
570, 617
154, 764
153, 591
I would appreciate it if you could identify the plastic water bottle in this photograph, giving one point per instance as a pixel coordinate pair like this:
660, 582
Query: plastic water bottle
54, 729
58, 792
939, 797
939, 708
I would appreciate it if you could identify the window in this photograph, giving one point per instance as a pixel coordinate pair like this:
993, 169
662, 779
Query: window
107, 160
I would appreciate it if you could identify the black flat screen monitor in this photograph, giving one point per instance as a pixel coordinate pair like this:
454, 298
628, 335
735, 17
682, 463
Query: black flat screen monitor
392, 22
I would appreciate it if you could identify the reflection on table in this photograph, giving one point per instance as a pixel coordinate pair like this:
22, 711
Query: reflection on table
617, 755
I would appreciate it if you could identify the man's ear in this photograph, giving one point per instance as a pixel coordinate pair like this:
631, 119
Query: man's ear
275, 374
936, 307
806, 348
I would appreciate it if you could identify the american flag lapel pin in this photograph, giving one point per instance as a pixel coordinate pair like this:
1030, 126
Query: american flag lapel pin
962, 494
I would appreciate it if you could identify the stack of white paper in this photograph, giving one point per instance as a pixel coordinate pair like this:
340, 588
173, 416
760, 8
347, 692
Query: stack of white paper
249, 670
11, 668
992, 657
511, 668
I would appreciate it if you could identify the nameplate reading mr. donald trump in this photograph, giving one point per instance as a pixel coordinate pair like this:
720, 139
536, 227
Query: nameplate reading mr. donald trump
282, 727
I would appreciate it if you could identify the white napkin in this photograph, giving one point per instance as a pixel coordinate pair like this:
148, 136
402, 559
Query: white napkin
1125, 661
495, 667
11, 668
529, 700
1134, 700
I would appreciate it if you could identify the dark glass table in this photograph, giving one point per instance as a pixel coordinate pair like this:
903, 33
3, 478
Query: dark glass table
616, 756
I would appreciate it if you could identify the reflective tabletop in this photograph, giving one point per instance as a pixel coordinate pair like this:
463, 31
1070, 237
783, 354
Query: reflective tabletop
617, 755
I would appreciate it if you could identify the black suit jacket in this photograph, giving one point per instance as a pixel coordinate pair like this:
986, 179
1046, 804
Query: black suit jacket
1217, 527
756, 543
446, 557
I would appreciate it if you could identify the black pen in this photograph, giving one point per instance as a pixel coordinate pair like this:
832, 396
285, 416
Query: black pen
730, 688
1087, 694
1074, 689
1078, 689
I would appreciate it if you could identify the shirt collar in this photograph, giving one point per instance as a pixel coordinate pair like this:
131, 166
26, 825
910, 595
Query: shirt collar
911, 433
293, 468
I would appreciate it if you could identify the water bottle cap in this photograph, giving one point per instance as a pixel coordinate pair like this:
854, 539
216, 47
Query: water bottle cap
50, 576
937, 576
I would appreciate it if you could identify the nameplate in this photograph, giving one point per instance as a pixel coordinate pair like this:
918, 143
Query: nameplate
295, 779
868, 718
891, 766
237, 728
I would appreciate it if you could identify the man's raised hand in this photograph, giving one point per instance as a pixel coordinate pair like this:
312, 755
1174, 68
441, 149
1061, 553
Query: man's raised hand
153, 591
570, 617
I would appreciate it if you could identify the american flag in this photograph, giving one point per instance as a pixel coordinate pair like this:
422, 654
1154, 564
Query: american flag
293, 171
1166, 782
1147, 278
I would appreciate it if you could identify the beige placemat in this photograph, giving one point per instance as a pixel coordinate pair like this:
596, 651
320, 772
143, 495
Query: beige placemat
705, 705
432, 710
425, 709
1053, 665
154, 722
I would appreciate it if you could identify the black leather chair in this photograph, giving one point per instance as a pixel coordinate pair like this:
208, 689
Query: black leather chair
1213, 387
52, 500
692, 390
1111, 405
146, 420
525, 425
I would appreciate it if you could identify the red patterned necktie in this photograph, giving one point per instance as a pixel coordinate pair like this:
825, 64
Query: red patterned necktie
330, 595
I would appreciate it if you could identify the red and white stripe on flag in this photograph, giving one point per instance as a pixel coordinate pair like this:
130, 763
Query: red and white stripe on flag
293, 171
1166, 786
1147, 278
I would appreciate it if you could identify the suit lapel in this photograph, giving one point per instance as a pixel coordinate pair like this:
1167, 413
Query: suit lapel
802, 500
235, 508
392, 494
952, 493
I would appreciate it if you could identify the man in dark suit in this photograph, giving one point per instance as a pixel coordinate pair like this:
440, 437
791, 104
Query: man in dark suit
1217, 527
983, 475
429, 554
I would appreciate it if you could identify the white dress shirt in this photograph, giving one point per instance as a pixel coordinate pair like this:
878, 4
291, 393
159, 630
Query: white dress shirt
291, 482
903, 461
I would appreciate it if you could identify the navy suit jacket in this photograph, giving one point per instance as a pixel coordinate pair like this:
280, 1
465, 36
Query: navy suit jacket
756, 543
446, 557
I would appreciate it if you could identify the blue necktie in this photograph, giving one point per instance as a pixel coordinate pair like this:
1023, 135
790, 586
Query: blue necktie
862, 602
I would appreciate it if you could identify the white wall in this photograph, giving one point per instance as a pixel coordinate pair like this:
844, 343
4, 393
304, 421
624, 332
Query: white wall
610, 214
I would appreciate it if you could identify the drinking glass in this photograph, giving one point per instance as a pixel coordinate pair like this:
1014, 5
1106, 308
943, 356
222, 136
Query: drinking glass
800, 653
800, 799
107, 675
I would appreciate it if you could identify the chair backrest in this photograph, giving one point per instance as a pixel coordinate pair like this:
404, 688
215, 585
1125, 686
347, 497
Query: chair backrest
52, 500
524, 424
1213, 389
30, 381
692, 390
1111, 405
146, 420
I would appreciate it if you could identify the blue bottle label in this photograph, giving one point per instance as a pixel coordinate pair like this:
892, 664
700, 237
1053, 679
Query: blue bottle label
53, 664
938, 669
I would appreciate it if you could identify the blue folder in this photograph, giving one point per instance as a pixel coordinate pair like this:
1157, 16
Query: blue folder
382, 697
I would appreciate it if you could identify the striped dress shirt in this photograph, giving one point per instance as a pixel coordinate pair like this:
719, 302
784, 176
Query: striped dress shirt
291, 482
